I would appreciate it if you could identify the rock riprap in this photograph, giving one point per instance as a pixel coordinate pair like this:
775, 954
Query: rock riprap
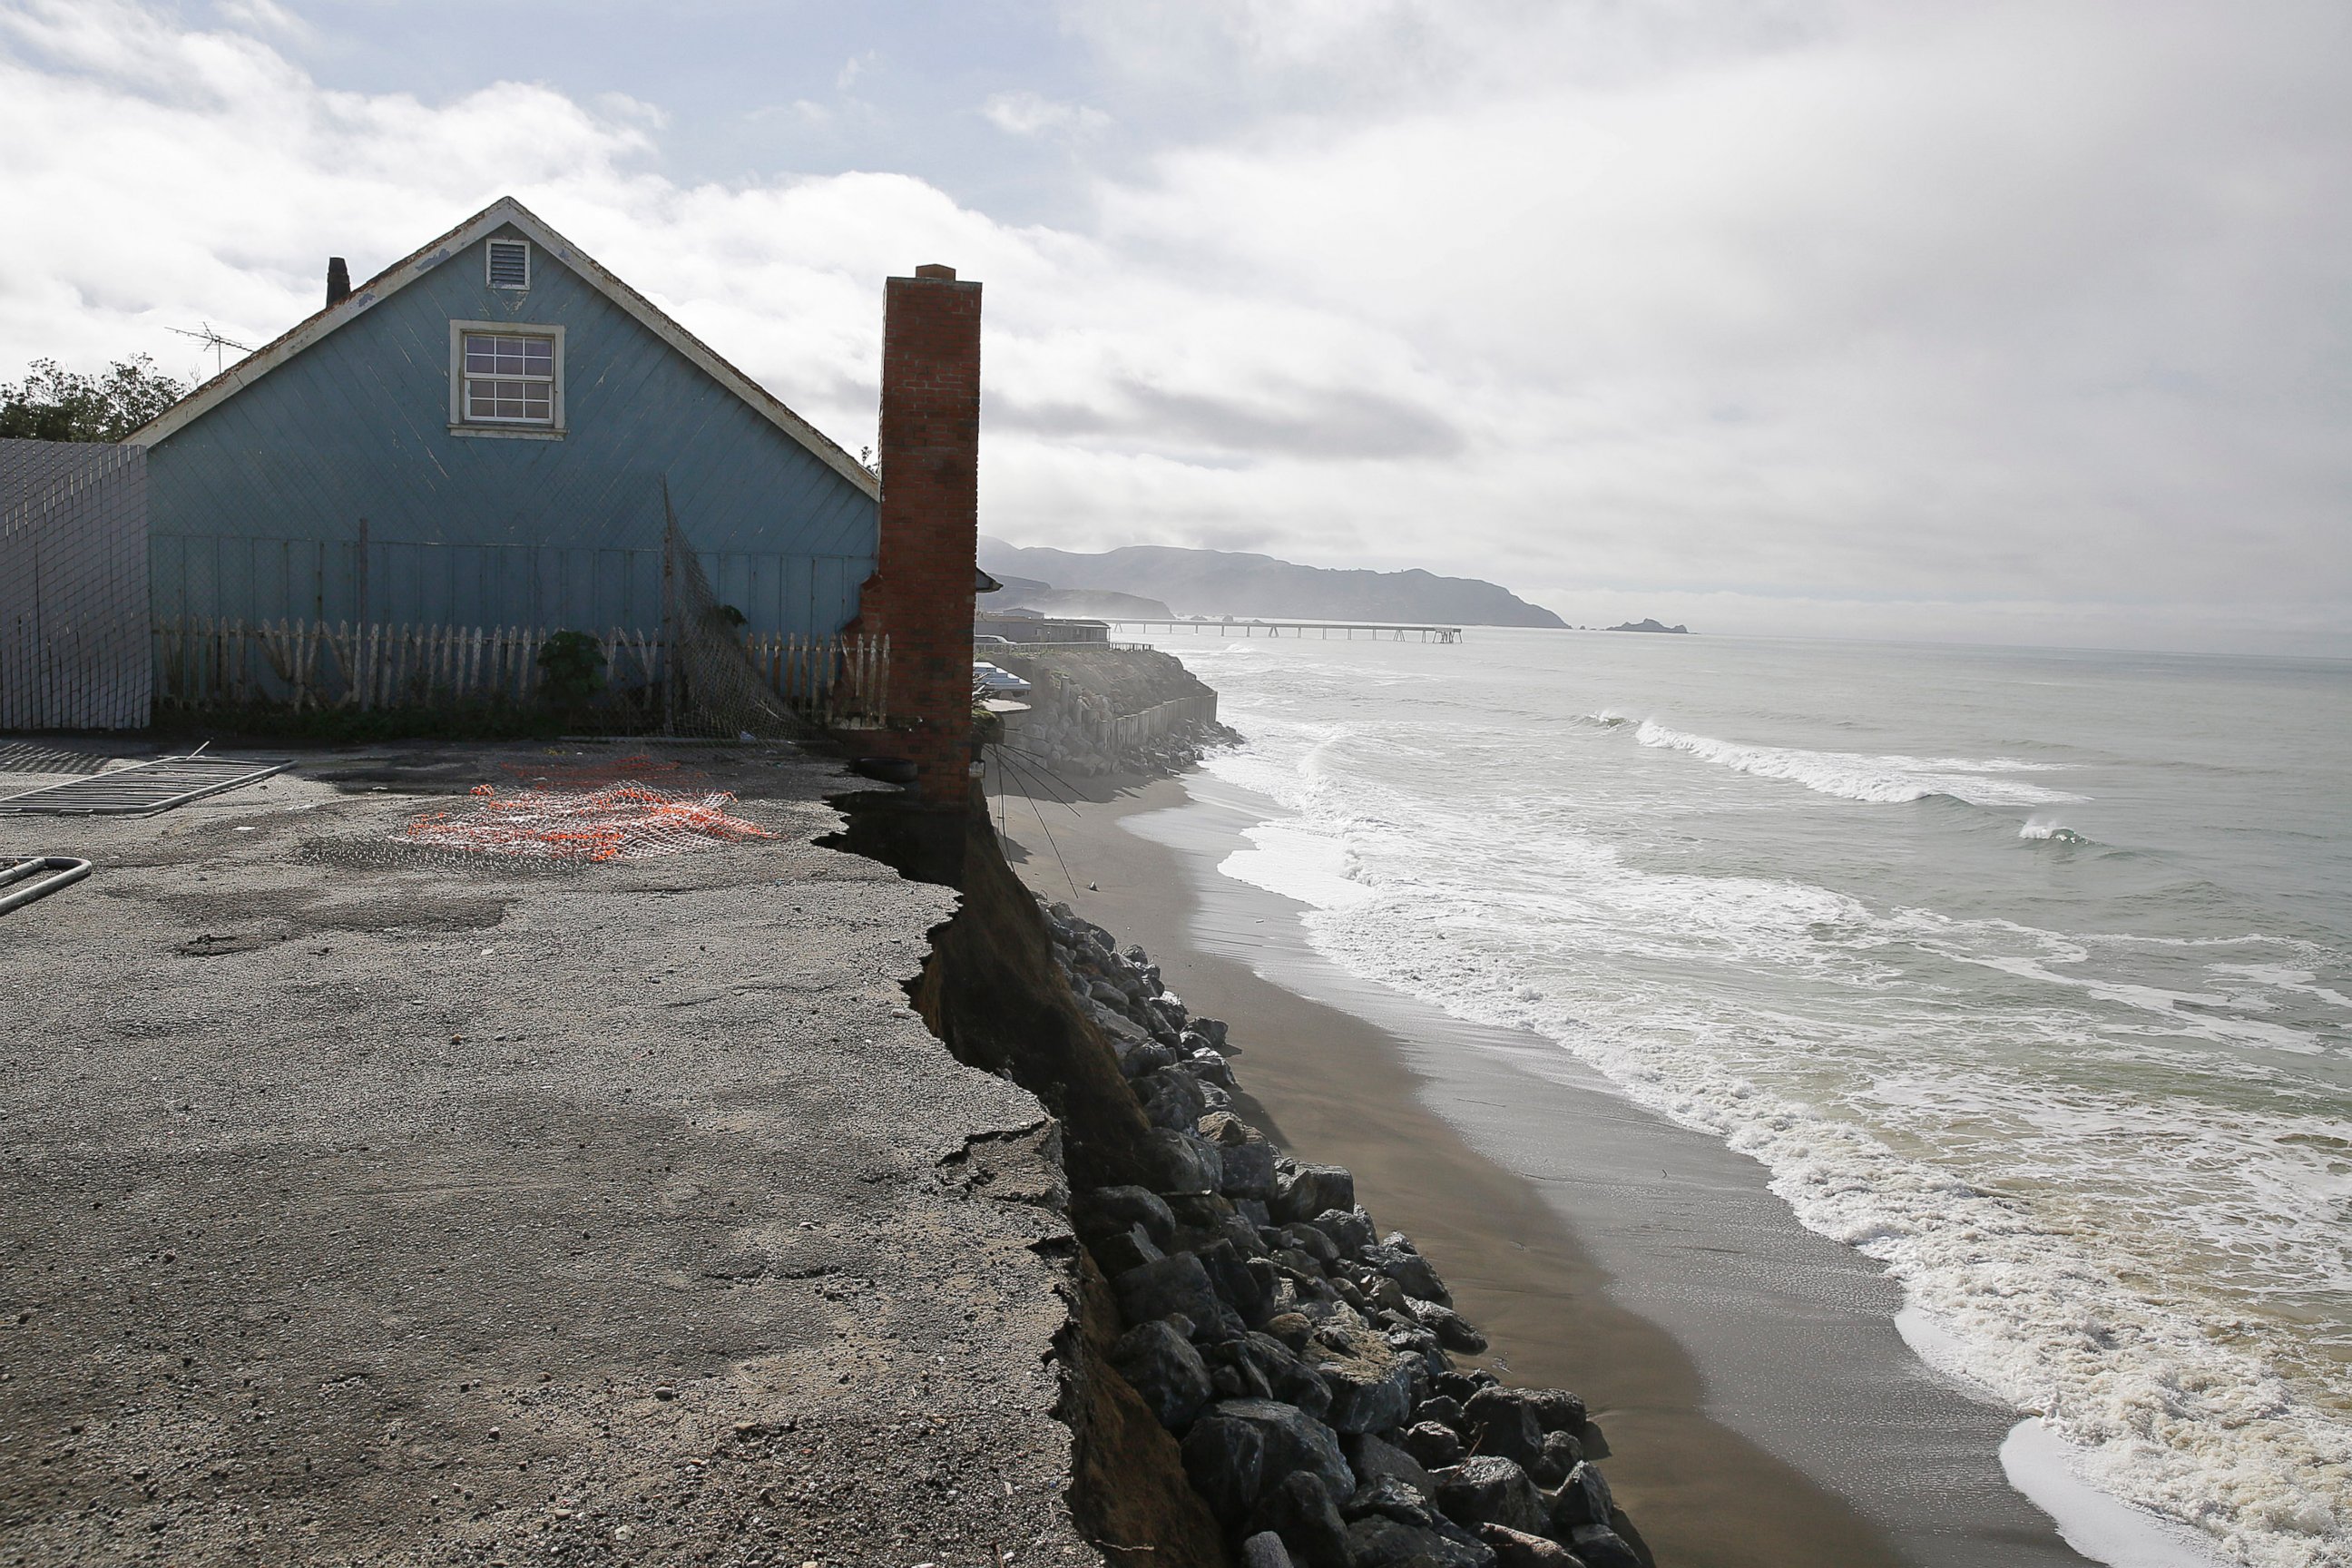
1301, 1358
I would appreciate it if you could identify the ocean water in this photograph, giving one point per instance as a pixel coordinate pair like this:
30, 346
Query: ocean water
2027, 972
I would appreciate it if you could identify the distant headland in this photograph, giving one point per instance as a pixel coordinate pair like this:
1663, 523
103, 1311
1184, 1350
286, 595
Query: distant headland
1229, 583
1650, 626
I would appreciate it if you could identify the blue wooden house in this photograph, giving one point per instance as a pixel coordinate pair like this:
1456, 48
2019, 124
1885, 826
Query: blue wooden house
480, 436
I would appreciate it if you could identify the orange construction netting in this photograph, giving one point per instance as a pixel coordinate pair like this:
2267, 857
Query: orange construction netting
595, 813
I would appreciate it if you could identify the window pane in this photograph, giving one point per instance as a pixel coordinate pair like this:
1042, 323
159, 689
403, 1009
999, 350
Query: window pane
520, 402
508, 377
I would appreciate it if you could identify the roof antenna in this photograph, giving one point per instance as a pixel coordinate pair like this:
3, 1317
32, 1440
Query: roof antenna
212, 340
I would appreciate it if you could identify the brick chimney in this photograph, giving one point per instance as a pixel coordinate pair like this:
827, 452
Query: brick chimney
338, 281
921, 595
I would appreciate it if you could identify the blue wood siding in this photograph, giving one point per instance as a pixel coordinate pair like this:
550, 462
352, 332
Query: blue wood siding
258, 509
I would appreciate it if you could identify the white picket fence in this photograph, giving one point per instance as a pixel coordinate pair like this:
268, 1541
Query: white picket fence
204, 662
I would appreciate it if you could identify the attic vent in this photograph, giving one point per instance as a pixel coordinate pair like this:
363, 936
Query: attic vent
510, 264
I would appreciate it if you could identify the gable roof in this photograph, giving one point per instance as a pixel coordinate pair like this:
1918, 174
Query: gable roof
506, 210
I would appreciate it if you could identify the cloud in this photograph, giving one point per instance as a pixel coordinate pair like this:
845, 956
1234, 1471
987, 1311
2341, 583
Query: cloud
2033, 319
1313, 423
263, 16
1026, 113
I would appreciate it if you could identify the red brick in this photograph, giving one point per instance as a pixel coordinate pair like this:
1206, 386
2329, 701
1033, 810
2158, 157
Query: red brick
921, 595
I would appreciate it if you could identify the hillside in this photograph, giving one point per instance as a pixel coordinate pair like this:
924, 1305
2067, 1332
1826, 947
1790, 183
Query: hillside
1099, 603
1228, 583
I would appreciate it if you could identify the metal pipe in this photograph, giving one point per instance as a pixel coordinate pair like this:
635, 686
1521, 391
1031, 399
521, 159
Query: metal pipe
64, 870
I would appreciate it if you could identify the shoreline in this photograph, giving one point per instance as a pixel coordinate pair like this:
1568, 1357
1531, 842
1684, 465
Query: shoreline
1760, 1408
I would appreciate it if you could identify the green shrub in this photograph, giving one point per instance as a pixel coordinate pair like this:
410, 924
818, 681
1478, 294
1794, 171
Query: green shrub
573, 666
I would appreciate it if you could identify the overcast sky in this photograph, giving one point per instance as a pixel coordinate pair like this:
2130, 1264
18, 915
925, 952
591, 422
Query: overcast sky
2023, 322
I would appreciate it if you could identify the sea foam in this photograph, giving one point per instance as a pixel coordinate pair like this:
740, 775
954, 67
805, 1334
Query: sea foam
1516, 918
2165, 1414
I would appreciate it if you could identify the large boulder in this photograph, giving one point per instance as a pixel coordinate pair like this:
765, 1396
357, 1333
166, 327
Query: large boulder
1161, 1365
1234, 1281
1562, 1454
1631, 1537
1292, 1329
1171, 1098
1234, 1372
1182, 1162
1497, 1421
1461, 1383
1350, 1229
1516, 1549
1200, 1218
1377, 1542
1303, 1192
1597, 1546
1440, 1408
1581, 1498
1397, 1258
1111, 1209
1556, 1410
1489, 1490
1451, 1329
1224, 1457
1265, 1549
1247, 1169
1212, 1067
1287, 1378
1298, 1266
1391, 1499
1247, 1238
1224, 1129
1270, 1280
1297, 1508
1291, 1440
1171, 1286
1419, 1342
1434, 1444
1371, 1387
1310, 1240
1376, 1460
1145, 1057
1121, 1250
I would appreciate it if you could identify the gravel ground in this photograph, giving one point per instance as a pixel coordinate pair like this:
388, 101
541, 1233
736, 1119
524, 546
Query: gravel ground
366, 1208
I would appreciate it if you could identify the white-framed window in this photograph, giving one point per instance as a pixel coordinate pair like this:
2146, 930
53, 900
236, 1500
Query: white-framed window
506, 378
507, 263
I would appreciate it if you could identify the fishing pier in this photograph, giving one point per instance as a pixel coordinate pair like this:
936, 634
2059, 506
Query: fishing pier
1379, 631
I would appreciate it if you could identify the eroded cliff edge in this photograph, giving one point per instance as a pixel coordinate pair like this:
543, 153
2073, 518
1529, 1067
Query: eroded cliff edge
1256, 1369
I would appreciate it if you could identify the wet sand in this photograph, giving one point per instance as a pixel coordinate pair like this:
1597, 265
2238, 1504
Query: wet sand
1762, 1410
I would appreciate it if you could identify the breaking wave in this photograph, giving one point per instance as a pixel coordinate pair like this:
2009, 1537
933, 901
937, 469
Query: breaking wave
1855, 775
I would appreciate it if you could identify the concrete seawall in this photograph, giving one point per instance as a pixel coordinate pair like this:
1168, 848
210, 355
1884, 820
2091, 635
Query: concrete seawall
1097, 710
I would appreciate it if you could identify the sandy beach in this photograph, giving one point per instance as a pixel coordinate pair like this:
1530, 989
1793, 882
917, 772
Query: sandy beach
1762, 1410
